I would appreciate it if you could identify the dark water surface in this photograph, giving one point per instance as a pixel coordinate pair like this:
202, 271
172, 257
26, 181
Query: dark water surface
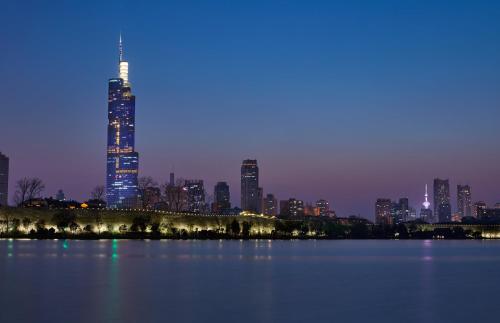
249, 281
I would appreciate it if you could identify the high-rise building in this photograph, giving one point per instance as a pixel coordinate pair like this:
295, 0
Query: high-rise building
400, 211
171, 181
122, 160
195, 195
479, 209
309, 209
383, 211
442, 206
284, 211
404, 209
222, 198
4, 179
251, 193
296, 207
323, 207
270, 205
464, 200
292, 207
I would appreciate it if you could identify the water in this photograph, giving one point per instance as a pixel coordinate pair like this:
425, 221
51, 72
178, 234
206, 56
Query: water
249, 281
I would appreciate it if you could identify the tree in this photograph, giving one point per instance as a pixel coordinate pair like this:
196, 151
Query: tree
5, 223
140, 223
28, 189
88, 228
73, 226
16, 223
98, 219
21, 194
147, 187
40, 225
235, 227
36, 187
175, 196
63, 219
26, 223
98, 193
246, 229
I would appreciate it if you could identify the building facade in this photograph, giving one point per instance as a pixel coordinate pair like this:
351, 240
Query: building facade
464, 202
442, 205
4, 180
270, 205
293, 208
195, 195
251, 193
222, 198
479, 209
323, 208
122, 159
383, 211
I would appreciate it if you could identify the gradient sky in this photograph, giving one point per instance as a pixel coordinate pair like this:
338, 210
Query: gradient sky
342, 100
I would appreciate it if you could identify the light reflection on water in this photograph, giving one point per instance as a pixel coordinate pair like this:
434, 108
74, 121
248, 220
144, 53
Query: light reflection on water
248, 281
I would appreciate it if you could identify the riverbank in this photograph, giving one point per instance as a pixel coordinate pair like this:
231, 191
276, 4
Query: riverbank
91, 224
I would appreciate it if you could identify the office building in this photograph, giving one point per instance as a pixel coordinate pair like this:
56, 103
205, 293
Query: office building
222, 198
195, 195
383, 211
464, 202
270, 205
442, 205
251, 193
479, 209
122, 159
322, 208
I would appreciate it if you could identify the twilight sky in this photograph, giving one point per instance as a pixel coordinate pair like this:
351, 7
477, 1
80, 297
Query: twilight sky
342, 100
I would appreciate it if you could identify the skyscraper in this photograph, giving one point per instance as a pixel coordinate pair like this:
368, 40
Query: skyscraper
292, 207
270, 205
195, 195
442, 206
222, 198
464, 202
4, 179
383, 211
479, 209
323, 207
404, 210
251, 193
122, 160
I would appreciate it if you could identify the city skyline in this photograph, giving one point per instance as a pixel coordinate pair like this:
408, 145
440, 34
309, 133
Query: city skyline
309, 143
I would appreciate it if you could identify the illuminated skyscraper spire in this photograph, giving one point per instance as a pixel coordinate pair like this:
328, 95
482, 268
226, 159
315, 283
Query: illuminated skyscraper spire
122, 64
426, 204
121, 48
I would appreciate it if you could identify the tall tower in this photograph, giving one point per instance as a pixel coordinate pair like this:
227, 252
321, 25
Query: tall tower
464, 201
442, 205
122, 160
251, 193
426, 203
222, 198
425, 212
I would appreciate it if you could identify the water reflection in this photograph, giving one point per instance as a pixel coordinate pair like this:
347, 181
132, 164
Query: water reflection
248, 281
113, 299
